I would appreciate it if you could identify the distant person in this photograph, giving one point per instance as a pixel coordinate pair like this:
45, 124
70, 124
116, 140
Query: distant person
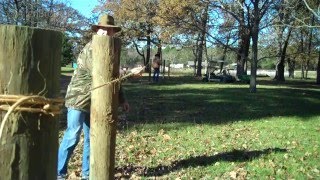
78, 103
156, 67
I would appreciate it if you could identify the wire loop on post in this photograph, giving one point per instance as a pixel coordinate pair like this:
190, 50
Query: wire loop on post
31, 104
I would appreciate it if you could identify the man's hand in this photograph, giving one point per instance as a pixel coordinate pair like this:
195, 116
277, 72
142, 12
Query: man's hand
137, 71
125, 106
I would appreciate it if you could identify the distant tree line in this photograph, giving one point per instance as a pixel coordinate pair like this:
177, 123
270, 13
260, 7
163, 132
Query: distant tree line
266, 32
283, 34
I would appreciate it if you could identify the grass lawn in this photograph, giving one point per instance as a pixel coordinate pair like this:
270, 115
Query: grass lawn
67, 70
182, 128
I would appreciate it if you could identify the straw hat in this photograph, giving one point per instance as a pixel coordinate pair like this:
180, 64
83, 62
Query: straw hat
106, 21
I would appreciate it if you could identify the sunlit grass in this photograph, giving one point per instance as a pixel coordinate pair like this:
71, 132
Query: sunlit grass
67, 70
183, 128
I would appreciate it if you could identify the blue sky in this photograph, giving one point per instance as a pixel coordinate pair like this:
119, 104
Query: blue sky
84, 6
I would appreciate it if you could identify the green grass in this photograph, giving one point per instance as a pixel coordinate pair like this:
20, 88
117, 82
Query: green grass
311, 74
67, 70
184, 128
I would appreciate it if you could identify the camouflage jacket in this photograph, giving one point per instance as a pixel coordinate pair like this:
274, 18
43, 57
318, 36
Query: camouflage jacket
78, 93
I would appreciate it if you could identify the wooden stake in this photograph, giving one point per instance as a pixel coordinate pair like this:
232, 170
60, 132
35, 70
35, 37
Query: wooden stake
29, 64
104, 106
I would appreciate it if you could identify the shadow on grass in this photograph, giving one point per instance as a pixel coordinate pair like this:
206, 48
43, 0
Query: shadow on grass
217, 103
171, 101
233, 156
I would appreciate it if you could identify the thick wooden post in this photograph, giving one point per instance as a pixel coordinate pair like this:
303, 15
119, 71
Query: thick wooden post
29, 64
104, 106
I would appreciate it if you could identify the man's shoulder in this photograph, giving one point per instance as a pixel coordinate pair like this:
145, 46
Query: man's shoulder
88, 45
84, 57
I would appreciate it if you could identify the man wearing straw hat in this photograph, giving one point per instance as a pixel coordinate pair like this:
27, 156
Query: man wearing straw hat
78, 103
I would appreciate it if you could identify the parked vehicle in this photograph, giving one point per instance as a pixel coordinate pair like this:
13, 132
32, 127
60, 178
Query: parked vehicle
219, 77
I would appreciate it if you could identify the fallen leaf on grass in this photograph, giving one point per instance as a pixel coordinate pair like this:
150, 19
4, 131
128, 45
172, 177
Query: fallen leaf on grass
233, 174
153, 151
131, 147
161, 132
166, 137
244, 146
316, 170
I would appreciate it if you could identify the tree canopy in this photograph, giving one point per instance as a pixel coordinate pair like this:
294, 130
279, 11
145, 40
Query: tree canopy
279, 34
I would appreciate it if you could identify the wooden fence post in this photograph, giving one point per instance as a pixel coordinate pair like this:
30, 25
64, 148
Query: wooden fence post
29, 64
104, 106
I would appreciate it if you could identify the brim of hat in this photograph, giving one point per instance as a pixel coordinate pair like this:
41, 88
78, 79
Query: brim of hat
96, 27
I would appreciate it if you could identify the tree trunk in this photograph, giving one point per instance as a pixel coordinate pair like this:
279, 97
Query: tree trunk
163, 61
318, 69
29, 64
200, 52
200, 48
207, 58
223, 57
204, 20
104, 106
169, 69
195, 51
302, 70
163, 68
148, 68
309, 47
255, 37
282, 51
291, 65
253, 78
279, 76
243, 52
244, 44
301, 49
195, 65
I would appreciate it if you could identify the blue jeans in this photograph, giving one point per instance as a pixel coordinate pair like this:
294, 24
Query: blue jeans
77, 120
156, 73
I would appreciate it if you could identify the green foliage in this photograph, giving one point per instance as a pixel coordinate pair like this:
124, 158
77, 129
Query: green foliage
176, 55
268, 63
130, 58
67, 51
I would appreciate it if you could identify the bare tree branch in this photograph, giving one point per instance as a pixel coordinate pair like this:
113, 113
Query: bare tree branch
311, 10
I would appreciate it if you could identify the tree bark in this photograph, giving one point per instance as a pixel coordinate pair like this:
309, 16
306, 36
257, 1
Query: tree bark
104, 106
291, 65
309, 46
195, 51
223, 56
282, 44
282, 51
149, 68
200, 52
318, 69
301, 50
29, 64
244, 44
255, 37
204, 20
